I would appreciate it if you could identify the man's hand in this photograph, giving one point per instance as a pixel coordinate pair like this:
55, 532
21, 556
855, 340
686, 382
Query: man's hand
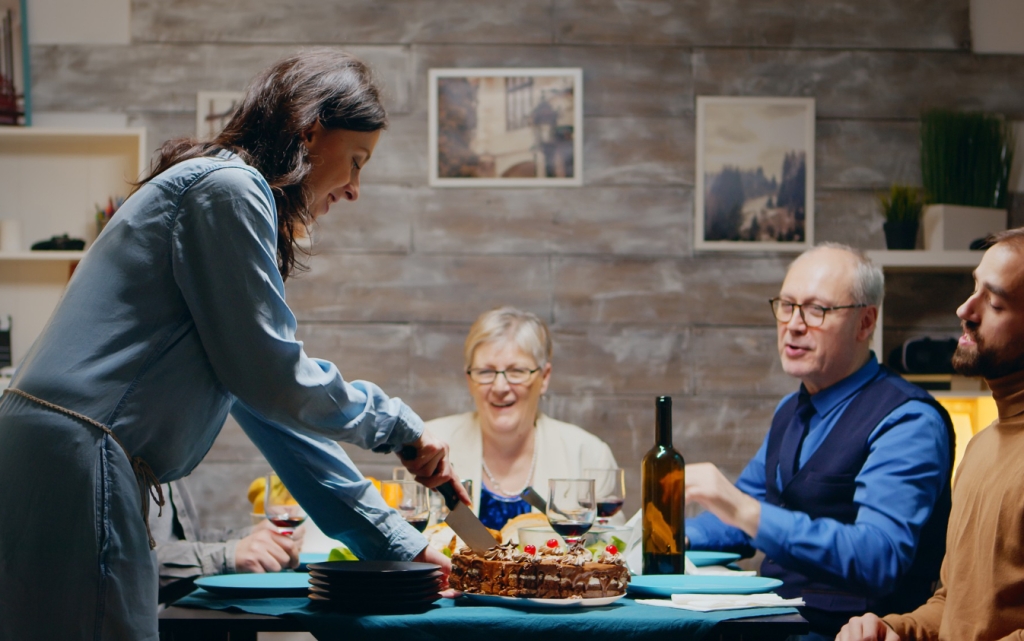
430, 555
707, 486
267, 551
867, 628
431, 465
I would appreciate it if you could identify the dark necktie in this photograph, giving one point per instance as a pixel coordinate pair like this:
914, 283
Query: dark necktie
793, 438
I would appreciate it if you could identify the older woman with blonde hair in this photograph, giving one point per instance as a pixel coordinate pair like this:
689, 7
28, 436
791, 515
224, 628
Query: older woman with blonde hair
508, 444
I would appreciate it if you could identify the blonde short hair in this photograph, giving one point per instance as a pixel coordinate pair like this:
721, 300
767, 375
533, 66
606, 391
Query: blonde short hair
525, 329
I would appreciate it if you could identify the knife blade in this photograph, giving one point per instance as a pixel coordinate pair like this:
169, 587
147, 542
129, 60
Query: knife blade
466, 524
532, 497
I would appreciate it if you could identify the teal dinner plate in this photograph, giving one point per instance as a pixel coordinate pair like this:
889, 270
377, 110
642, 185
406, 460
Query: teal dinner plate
702, 559
665, 585
305, 558
248, 586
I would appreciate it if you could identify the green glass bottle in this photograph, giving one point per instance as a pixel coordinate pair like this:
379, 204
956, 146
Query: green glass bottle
663, 477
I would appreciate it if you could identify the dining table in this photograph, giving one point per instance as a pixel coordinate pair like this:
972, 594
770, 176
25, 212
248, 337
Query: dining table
202, 616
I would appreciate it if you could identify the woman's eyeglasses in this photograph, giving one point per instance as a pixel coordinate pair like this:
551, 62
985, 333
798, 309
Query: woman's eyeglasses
514, 375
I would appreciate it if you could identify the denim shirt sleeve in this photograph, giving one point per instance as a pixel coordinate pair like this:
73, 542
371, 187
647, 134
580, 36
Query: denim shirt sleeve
224, 257
320, 475
906, 470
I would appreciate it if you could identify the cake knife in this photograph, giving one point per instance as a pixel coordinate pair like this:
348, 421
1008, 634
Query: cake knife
531, 496
466, 524
460, 516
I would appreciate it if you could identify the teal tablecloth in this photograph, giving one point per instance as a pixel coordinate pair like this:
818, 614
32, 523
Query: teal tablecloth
461, 619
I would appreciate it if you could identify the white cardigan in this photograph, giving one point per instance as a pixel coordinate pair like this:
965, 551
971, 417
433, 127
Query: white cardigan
565, 450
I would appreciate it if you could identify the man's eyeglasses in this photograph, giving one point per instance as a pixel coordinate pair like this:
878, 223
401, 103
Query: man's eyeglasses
812, 315
514, 375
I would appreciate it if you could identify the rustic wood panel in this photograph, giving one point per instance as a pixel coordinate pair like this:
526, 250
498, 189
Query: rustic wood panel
626, 220
925, 301
850, 217
739, 361
163, 77
380, 221
633, 81
866, 154
393, 288
865, 84
523, 22
631, 151
706, 290
622, 360
846, 24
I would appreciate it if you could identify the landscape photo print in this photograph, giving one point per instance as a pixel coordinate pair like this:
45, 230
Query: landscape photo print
506, 127
755, 173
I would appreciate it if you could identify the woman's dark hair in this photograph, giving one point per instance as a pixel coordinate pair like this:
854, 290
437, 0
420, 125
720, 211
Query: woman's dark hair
326, 86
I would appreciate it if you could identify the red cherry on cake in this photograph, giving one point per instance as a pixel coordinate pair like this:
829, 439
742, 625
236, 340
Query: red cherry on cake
611, 549
530, 549
552, 543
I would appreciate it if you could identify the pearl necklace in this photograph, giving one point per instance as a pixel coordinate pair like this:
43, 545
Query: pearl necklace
497, 486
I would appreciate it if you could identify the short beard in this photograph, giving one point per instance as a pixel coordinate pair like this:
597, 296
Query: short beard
971, 362
967, 362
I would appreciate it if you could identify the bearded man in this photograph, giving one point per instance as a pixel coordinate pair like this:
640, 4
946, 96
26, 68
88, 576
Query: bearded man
982, 598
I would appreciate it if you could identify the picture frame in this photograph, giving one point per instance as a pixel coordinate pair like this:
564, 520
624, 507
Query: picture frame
755, 174
15, 68
506, 127
213, 110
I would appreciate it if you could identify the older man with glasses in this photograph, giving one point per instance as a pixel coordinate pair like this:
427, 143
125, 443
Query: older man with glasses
849, 495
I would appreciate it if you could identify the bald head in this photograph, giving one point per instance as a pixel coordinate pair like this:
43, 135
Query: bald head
847, 288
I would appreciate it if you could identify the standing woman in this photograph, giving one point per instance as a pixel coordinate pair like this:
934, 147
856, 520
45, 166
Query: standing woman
175, 317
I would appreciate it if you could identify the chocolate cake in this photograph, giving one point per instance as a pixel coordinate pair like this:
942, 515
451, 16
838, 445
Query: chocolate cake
549, 574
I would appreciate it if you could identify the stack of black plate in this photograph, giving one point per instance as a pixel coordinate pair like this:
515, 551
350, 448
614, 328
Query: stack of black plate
374, 587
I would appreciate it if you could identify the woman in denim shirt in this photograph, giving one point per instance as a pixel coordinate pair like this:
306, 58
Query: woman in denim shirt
175, 317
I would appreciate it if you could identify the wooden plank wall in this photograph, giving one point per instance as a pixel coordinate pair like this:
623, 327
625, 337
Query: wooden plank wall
636, 312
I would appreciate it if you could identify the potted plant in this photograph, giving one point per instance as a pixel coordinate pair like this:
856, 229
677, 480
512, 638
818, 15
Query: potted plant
902, 210
965, 168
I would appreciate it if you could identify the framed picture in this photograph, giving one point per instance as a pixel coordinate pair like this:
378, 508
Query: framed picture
755, 174
506, 127
213, 110
15, 93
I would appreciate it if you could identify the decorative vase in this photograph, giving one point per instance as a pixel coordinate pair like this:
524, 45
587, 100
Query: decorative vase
956, 226
900, 234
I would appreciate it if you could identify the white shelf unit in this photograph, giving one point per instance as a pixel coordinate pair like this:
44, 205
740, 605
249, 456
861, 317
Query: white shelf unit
51, 180
913, 260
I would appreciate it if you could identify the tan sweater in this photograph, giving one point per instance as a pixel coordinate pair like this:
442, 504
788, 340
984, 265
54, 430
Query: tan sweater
983, 572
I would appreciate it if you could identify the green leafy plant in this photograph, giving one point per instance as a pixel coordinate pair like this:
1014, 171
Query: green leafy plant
966, 158
903, 203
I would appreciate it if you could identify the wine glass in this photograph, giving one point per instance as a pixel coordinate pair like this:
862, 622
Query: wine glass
409, 498
571, 508
610, 490
281, 507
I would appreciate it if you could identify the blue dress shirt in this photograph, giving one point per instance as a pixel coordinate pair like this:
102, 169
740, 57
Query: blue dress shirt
896, 490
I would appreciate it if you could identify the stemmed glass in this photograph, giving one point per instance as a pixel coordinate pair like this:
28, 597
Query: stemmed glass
280, 507
410, 499
610, 490
571, 508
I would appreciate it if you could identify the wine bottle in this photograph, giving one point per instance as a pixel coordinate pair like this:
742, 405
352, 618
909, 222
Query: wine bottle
663, 477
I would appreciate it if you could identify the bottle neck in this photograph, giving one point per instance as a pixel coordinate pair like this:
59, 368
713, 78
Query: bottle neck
663, 422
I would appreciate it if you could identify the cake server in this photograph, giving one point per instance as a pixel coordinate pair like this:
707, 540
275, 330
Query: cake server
531, 496
466, 524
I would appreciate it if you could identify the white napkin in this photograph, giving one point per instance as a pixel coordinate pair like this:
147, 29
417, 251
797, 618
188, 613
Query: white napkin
713, 602
716, 570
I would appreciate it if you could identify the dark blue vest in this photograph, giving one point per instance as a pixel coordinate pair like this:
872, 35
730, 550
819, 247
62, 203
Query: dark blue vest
824, 488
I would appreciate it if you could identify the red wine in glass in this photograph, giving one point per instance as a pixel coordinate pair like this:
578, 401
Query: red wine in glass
419, 524
608, 507
287, 523
571, 529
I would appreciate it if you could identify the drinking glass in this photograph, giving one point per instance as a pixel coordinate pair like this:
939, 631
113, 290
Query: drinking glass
610, 490
409, 498
280, 507
571, 508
